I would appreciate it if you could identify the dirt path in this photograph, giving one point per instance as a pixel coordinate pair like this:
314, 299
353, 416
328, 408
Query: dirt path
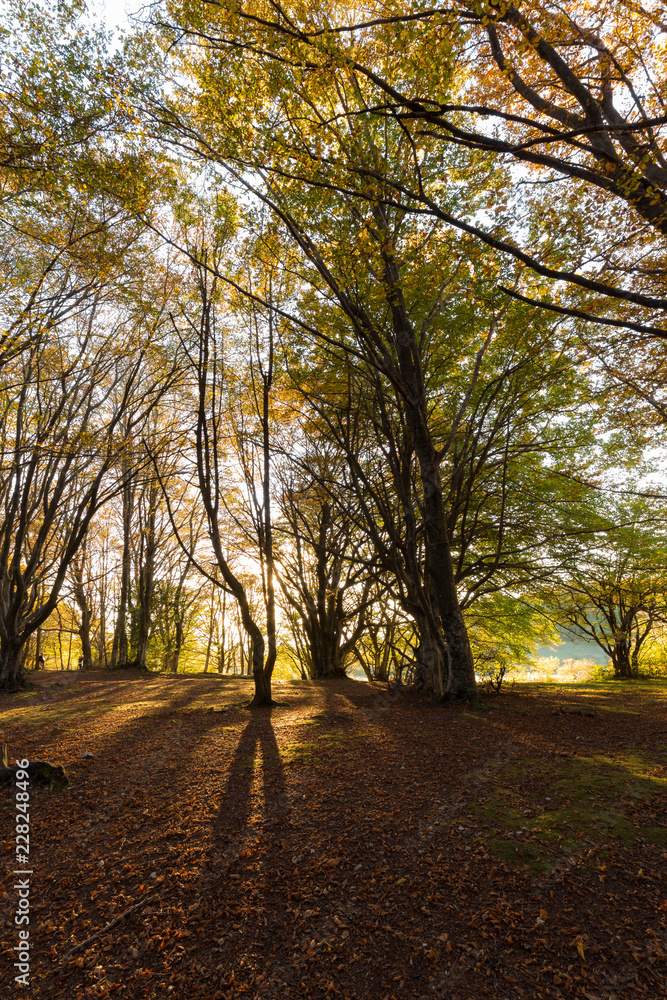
346, 844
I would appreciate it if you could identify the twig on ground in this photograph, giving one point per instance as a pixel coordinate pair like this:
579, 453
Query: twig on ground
116, 920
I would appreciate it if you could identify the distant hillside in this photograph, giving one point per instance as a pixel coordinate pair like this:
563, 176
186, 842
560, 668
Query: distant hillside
574, 649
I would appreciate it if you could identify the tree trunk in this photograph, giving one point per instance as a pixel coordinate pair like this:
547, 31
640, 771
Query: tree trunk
69, 648
439, 567
263, 671
325, 653
11, 665
119, 649
84, 636
366, 669
146, 583
102, 658
210, 489
621, 659
178, 643
146, 597
38, 649
209, 643
262, 695
431, 667
60, 641
383, 656
459, 675
102, 636
84, 610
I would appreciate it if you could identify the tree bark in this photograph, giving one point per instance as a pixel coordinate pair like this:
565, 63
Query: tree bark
325, 654
38, 649
620, 659
146, 582
175, 654
120, 649
84, 636
102, 651
11, 665
460, 671
272, 647
209, 642
211, 489
85, 613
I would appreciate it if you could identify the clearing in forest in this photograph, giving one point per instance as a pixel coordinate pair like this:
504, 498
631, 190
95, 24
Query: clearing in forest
348, 843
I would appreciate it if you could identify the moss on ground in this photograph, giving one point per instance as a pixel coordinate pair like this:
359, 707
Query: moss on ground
538, 811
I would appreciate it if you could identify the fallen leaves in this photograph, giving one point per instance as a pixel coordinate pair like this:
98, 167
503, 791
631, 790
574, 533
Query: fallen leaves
579, 945
394, 866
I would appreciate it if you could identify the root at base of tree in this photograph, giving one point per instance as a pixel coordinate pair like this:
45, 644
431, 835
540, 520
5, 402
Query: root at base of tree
40, 772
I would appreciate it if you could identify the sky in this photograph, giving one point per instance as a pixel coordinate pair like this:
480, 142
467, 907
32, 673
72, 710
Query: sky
113, 12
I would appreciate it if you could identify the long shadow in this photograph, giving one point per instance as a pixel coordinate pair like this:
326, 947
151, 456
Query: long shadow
235, 809
248, 836
96, 693
148, 750
120, 805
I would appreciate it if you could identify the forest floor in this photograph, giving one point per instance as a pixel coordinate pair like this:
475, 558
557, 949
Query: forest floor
346, 844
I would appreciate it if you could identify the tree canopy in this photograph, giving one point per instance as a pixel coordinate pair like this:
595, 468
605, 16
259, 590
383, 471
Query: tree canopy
332, 342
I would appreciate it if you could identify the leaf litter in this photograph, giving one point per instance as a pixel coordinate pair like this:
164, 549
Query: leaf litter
345, 844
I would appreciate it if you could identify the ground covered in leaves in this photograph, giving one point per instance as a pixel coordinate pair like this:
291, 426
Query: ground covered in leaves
349, 843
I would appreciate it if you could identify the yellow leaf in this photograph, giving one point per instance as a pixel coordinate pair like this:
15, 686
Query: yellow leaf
580, 948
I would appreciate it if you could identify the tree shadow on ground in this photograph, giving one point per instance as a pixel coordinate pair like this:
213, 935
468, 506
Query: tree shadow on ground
257, 747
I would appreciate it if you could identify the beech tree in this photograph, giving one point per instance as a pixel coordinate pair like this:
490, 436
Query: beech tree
612, 590
66, 178
80, 573
575, 95
350, 191
381, 434
253, 419
201, 329
177, 589
523, 432
390, 342
324, 570
67, 402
